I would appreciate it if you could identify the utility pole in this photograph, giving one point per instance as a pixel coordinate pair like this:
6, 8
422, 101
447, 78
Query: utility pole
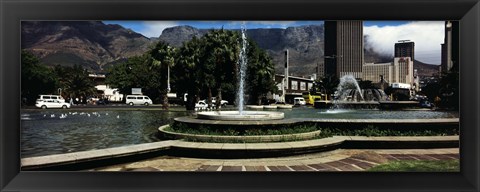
285, 79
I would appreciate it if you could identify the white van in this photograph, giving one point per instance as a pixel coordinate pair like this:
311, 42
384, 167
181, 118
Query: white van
51, 97
51, 101
138, 100
299, 101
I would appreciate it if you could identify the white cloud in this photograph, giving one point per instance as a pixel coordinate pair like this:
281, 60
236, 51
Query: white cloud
155, 28
263, 24
427, 35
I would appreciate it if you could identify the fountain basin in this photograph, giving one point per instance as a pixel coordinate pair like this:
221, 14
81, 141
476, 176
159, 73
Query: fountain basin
255, 106
284, 106
235, 115
270, 107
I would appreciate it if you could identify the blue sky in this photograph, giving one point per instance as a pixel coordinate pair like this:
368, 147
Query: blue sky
427, 35
154, 28
144, 26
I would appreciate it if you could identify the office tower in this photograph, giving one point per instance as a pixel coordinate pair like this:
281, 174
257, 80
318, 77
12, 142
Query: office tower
344, 48
405, 48
450, 54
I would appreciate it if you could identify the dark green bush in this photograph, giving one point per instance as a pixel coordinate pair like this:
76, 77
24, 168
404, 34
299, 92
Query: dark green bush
370, 130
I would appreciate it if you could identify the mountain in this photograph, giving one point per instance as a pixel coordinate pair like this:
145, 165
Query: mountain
425, 70
175, 36
91, 44
96, 45
305, 44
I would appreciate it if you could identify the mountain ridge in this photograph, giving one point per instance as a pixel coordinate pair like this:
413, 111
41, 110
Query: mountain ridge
96, 45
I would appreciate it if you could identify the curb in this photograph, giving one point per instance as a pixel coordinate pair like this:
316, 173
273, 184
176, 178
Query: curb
95, 158
238, 139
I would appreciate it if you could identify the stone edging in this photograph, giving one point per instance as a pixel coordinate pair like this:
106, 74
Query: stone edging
316, 143
293, 147
241, 139
326, 122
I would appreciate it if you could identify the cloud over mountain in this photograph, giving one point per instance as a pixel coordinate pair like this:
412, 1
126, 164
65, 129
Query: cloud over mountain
427, 35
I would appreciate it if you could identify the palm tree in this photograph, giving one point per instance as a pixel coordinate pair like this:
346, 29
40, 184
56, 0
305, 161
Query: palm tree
187, 70
77, 83
163, 58
220, 61
328, 83
260, 73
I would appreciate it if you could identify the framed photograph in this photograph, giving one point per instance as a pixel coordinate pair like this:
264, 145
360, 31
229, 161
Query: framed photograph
239, 95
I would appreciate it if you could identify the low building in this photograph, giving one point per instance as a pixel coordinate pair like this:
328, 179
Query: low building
103, 90
294, 88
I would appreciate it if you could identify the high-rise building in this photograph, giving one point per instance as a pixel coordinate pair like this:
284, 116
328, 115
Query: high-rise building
405, 48
344, 48
399, 71
450, 54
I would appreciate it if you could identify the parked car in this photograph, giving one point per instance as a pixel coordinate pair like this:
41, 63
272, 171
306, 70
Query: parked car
138, 100
299, 101
92, 100
102, 102
425, 104
201, 105
47, 104
223, 103
50, 97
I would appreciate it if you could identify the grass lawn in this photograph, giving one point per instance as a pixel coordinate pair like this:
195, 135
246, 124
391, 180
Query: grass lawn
419, 166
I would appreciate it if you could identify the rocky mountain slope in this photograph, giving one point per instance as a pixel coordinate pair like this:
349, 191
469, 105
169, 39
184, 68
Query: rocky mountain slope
96, 45
425, 70
91, 44
305, 44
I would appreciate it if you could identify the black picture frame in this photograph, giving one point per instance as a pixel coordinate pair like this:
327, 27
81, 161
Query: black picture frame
14, 11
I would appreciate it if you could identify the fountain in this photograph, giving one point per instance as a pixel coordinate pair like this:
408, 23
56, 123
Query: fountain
350, 95
345, 89
241, 115
242, 71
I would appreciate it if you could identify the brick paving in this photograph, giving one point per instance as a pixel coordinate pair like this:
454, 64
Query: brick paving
346, 164
322, 167
334, 161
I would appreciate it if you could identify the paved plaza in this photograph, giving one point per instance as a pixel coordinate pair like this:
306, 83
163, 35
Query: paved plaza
337, 160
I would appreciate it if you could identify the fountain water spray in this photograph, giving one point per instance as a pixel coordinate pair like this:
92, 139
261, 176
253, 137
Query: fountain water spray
345, 81
242, 71
241, 115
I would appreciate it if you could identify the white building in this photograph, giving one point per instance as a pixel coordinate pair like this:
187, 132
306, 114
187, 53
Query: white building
112, 94
400, 71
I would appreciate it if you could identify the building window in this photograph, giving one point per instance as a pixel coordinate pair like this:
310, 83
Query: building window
294, 85
303, 86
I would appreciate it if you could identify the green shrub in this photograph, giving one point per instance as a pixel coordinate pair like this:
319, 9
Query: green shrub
369, 131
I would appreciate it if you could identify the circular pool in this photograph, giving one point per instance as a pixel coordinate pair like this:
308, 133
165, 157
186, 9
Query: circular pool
236, 116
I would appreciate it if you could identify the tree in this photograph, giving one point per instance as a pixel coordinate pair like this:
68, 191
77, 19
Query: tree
328, 83
449, 89
163, 58
446, 89
221, 52
36, 78
135, 72
187, 70
260, 73
75, 81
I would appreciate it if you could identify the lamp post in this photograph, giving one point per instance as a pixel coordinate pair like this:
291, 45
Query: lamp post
168, 79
